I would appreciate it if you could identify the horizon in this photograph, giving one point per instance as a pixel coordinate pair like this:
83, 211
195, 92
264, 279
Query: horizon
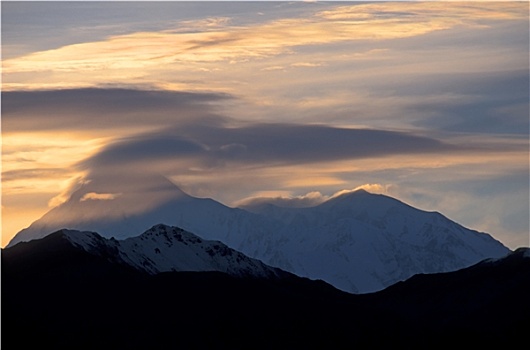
423, 102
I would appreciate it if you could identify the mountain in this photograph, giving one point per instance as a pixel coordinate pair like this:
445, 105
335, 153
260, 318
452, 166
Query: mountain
62, 295
371, 241
67, 291
163, 248
487, 301
129, 211
359, 242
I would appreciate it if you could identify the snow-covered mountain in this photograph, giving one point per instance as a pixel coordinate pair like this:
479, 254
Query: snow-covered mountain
358, 242
132, 211
54, 284
370, 241
164, 248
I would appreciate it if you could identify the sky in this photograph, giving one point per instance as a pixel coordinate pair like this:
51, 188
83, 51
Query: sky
287, 102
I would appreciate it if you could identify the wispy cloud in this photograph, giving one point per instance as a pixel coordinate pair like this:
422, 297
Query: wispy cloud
310, 199
419, 100
202, 146
99, 196
130, 57
105, 109
307, 64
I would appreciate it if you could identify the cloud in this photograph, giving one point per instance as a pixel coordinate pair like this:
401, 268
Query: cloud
186, 128
492, 102
181, 136
310, 199
139, 56
29, 173
372, 188
307, 64
69, 187
211, 147
228, 159
145, 150
375, 111
271, 68
210, 23
99, 196
438, 12
104, 109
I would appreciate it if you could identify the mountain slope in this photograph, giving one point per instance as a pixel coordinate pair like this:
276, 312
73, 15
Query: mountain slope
367, 241
375, 238
163, 248
65, 297
487, 301
132, 211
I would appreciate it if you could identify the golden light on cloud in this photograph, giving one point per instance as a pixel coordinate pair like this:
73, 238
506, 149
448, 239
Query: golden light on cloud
15, 218
374, 188
452, 12
99, 196
313, 181
361, 66
137, 57
43, 162
272, 194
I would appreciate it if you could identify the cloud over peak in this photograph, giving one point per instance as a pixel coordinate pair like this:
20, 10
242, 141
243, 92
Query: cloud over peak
310, 199
99, 196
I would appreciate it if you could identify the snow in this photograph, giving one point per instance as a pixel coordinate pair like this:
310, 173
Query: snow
163, 248
86, 240
358, 242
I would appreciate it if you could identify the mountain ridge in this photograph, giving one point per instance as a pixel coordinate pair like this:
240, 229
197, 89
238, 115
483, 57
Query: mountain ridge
367, 241
164, 248
67, 297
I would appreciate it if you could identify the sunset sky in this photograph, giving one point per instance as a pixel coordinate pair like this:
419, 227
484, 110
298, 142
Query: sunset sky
425, 102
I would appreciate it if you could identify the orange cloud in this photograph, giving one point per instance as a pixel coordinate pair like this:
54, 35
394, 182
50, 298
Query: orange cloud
137, 57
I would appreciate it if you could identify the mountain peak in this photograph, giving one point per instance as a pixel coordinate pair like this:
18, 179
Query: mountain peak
358, 241
521, 253
165, 248
354, 193
364, 200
